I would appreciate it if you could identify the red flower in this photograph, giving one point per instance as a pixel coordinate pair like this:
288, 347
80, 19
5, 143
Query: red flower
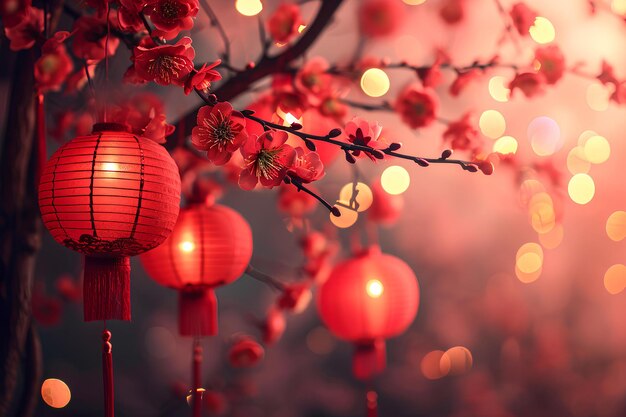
53, 66
462, 80
220, 132
307, 166
530, 83
295, 203
274, 326
157, 128
171, 16
314, 244
462, 135
90, 38
128, 15
13, 12
296, 297
523, 17
267, 159
607, 76
312, 77
552, 63
144, 114
202, 79
284, 22
165, 64
379, 18
417, 107
431, 76
245, 353
364, 133
25, 33
452, 11
69, 288
46, 310
331, 106
215, 402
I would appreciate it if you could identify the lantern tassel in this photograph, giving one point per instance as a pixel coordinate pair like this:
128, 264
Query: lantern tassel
369, 359
197, 312
107, 374
106, 288
372, 403
197, 378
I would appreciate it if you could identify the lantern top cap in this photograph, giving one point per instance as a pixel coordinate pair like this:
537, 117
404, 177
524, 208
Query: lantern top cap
109, 127
368, 251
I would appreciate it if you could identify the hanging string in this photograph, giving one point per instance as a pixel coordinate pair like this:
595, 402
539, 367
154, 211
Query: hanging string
372, 403
41, 135
106, 59
197, 377
107, 374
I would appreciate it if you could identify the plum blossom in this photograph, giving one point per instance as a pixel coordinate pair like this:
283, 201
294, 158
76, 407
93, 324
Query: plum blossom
170, 17
89, 38
307, 166
202, 78
552, 63
312, 77
26, 31
530, 83
380, 18
364, 133
165, 64
267, 159
54, 65
523, 17
220, 132
284, 22
462, 134
13, 12
245, 352
417, 107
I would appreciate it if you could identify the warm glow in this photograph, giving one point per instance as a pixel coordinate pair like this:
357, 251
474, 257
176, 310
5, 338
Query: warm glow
361, 192
598, 96
460, 359
616, 226
186, 246
348, 216
55, 393
492, 124
529, 262
505, 145
615, 279
498, 89
414, 2
581, 188
290, 119
375, 82
110, 166
619, 7
527, 278
597, 149
374, 288
528, 189
541, 212
301, 28
249, 7
189, 396
435, 365
545, 136
395, 180
584, 136
577, 161
542, 31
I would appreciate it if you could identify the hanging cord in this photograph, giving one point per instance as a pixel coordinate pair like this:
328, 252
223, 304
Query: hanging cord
372, 402
41, 135
107, 373
197, 377
106, 59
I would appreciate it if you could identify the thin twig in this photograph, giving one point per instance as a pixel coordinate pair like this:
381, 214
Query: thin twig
264, 278
215, 22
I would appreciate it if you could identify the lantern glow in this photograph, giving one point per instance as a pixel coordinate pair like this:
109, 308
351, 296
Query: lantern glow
374, 288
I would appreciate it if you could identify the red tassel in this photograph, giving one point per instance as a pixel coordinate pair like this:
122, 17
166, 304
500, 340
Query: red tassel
197, 379
106, 288
372, 403
197, 312
41, 136
369, 359
107, 374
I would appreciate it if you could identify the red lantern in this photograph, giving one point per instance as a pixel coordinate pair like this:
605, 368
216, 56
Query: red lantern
367, 299
210, 246
109, 195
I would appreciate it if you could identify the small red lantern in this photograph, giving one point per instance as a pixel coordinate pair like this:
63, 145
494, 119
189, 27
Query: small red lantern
109, 195
209, 247
367, 299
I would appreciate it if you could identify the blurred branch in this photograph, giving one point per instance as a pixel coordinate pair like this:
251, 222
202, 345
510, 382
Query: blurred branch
264, 278
215, 22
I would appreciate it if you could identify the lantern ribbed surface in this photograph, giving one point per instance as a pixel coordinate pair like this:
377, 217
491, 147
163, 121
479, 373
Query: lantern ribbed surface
370, 296
109, 195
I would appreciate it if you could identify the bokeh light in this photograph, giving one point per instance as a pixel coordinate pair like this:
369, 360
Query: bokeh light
581, 188
492, 124
498, 89
528, 189
190, 396
363, 197
348, 216
529, 262
542, 31
598, 96
249, 7
186, 246
584, 136
616, 226
374, 288
577, 161
375, 82
597, 149
55, 393
460, 359
414, 2
615, 279
619, 7
541, 212
435, 365
395, 180
505, 145
544, 135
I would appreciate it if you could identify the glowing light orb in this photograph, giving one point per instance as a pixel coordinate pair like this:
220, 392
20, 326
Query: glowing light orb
460, 358
506, 145
186, 246
553, 238
542, 31
545, 136
541, 212
190, 395
492, 124
348, 216
414, 2
375, 82
111, 166
55, 393
249, 7
615, 279
581, 188
616, 226
435, 365
498, 89
528, 189
597, 149
529, 262
363, 196
374, 288
577, 161
619, 7
584, 136
395, 180
598, 96
301, 28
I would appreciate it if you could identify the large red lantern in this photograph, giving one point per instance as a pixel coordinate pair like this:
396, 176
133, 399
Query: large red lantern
109, 195
210, 246
367, 299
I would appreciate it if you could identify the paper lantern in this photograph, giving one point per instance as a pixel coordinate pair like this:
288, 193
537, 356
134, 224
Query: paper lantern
367, 299
109, 195
210, 246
